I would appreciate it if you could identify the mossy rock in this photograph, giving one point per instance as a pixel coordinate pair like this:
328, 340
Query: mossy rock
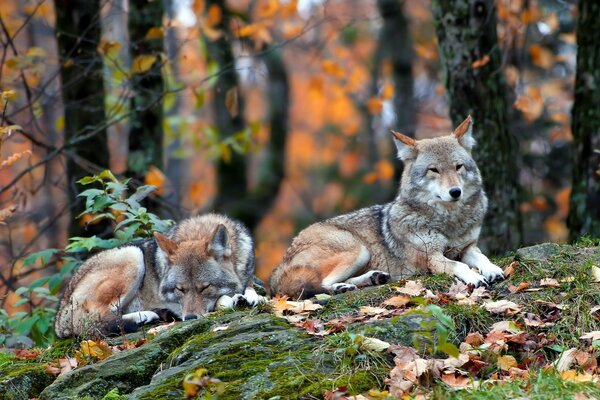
22, 380
124, 371
256, 357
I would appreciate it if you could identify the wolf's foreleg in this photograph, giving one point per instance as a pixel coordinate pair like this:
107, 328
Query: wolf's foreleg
442, 265
250, 298
475, 258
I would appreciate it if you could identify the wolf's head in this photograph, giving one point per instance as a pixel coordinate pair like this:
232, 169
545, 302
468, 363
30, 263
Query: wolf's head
439, 170
198, 272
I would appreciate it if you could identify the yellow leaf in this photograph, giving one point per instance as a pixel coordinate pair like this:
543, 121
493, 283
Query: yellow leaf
13, 159
8, 95
108, 47
36, 52
142, 63
156, 32
155, 177
507, 362
95, 349
574, 376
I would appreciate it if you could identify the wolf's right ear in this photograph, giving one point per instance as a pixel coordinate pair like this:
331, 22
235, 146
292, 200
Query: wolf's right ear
219, 246
405, 145
167, 245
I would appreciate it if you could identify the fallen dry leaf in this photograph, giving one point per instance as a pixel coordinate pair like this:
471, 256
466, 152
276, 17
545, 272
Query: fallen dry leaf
594, 335
372, 310
596, 273
412, 288
374, 344
96, 349
397, 301
456, 380
507, 362
507, 326
565, 360
516, 289
549, 282
574, 376
502, 307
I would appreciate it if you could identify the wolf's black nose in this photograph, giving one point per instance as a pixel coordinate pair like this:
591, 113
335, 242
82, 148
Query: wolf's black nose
455, 192
189, 317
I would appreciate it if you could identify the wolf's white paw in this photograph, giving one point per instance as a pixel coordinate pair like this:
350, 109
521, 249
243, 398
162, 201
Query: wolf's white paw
468, 276
141, 317
342, 287
379, 278
490, 271
224, 302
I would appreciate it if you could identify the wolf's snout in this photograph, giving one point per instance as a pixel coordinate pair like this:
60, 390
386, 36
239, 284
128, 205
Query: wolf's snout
189, 317
455, 192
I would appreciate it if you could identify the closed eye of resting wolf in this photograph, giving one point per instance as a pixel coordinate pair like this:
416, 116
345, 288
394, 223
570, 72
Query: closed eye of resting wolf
202, 263
432, 225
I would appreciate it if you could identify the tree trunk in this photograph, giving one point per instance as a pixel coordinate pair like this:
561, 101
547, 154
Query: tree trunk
395, 44
146, 134
78, 35
231, 171
466, 32
584, 212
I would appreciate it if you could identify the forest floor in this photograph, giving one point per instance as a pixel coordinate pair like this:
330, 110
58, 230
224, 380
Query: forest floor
534, 335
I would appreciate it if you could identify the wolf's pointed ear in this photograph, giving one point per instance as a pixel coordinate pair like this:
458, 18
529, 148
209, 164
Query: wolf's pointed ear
167, 245
464, 133
406, 146
219, 245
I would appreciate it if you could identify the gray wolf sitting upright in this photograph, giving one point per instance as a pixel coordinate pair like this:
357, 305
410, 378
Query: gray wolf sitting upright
199, 264
433, 224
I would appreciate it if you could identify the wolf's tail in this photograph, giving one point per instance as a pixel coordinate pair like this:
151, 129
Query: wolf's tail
297, 282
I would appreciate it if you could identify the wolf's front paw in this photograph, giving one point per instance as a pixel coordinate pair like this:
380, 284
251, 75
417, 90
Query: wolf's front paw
141, 317
379, 278
342, 287
468, 276
224, 302
491, 272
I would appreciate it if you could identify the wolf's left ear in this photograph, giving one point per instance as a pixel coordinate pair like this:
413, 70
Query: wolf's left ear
219, 246
406, 146
167, 245
464, 133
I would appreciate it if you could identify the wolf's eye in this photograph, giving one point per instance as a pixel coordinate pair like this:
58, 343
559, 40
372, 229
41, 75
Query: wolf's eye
180, 289
459, 166
434, 170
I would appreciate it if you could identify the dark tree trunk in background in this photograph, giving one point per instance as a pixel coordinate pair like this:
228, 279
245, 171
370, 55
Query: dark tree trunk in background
584, 212
235, 197
466, 31
146, 134
231, 174
395, 44
78, 35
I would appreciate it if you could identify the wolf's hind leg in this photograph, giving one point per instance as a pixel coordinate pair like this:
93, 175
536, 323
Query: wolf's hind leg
371, 278
342, 267
473, 257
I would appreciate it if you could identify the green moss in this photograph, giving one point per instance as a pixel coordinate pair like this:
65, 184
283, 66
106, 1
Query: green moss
467, 319
22, 379
539, 386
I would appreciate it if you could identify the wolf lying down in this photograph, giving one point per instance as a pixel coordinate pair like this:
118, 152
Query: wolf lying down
433, 224
202, 263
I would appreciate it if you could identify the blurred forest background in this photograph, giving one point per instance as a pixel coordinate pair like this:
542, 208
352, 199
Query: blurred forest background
278, 112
